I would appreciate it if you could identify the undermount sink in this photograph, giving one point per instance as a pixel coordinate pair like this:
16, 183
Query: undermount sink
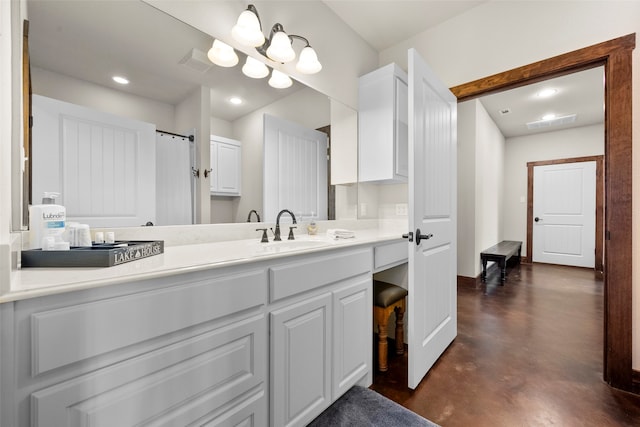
287, 246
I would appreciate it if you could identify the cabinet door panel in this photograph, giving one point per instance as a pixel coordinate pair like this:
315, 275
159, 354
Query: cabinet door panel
228, 173
300, 361
178, 383
226, 166
352, 338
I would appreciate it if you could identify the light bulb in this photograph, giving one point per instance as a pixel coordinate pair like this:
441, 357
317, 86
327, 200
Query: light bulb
255, 69
222, 54
308, 62
279, 80
247, 30
280, 49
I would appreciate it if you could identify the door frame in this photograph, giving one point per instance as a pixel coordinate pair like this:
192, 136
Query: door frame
598, 267
616, 57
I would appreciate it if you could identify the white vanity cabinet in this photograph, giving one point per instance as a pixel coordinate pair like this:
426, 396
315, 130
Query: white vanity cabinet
320, 333
268, 342
191, 350
226, 166
383, 131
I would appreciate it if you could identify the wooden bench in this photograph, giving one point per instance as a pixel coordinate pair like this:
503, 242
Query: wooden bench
500, 253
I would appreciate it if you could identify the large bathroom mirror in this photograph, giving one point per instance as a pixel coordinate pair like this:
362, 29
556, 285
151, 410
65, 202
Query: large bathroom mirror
77, 47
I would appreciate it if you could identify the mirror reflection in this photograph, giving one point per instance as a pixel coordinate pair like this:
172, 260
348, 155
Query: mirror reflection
78, 47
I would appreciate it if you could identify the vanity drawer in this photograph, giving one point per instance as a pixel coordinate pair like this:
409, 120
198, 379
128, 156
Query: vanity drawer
316, 271
390, 255
177, 384
70, 334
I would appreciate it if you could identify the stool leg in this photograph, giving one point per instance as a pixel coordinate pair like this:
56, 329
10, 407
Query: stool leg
382, 320
400, 328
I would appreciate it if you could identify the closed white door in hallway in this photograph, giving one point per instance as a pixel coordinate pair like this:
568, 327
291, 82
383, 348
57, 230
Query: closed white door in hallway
564, 210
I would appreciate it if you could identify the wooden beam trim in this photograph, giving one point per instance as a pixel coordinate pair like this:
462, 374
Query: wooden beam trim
618, 212
585, 58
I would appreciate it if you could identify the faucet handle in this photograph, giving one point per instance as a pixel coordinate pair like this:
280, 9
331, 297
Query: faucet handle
291, 236
265, 238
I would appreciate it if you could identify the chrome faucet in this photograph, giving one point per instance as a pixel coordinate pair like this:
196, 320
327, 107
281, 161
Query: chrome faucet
255, 212
277, 230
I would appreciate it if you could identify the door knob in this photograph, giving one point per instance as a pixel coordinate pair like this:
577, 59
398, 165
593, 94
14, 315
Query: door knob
536, 219
409, 236
420, 236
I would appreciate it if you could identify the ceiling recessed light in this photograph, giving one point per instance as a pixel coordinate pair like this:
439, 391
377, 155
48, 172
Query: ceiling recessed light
121, 80
235, 100
549, 116
545, 93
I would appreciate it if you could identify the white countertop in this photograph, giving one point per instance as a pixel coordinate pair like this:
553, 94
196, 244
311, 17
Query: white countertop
35, 282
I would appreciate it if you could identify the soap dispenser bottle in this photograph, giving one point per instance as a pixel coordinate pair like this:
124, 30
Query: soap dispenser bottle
312, 228
46, 220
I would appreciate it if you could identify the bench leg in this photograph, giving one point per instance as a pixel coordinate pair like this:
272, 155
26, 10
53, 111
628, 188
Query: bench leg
503, 272
484, 269
382, 320
400, 327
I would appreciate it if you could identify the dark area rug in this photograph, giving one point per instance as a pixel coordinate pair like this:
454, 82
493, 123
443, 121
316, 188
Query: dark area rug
360, 407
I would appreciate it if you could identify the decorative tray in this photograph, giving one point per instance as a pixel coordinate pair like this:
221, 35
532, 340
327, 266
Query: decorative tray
98, 255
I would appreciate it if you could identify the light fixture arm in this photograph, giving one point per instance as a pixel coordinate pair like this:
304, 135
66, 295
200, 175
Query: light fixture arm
253, 9
277, 27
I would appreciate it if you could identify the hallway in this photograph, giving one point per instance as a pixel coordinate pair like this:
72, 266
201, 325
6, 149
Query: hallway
526, 354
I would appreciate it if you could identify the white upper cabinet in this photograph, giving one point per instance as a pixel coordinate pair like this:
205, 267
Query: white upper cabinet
383, 126
226, 166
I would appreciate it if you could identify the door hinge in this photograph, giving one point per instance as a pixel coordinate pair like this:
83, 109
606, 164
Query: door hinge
607, 235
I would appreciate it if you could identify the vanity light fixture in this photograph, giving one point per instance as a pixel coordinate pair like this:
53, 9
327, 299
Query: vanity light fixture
222, 54
279, 80
278, 47
255, 69
121, 80
248, 30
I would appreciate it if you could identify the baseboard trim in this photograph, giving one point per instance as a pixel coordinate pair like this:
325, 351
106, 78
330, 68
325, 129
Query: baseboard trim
635, 381
469, 282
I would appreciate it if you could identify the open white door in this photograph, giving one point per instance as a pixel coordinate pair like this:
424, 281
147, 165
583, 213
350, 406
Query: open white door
564, 207
432, 218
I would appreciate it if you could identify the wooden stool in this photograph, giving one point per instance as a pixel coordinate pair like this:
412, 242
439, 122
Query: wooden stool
388, 298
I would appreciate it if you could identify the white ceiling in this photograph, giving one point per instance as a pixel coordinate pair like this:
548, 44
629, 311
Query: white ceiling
386, 23
84, 39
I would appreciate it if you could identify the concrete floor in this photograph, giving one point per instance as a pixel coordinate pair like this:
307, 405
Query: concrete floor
527, 354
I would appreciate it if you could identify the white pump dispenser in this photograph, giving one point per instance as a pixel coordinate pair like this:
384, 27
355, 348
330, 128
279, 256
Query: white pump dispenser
46, 220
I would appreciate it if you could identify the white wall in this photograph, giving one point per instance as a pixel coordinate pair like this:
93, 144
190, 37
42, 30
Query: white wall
101, 98
194, 112
305, 107
489, 183
500, 35
480, 185
466, 188
564, 144
221, 127
344, 144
